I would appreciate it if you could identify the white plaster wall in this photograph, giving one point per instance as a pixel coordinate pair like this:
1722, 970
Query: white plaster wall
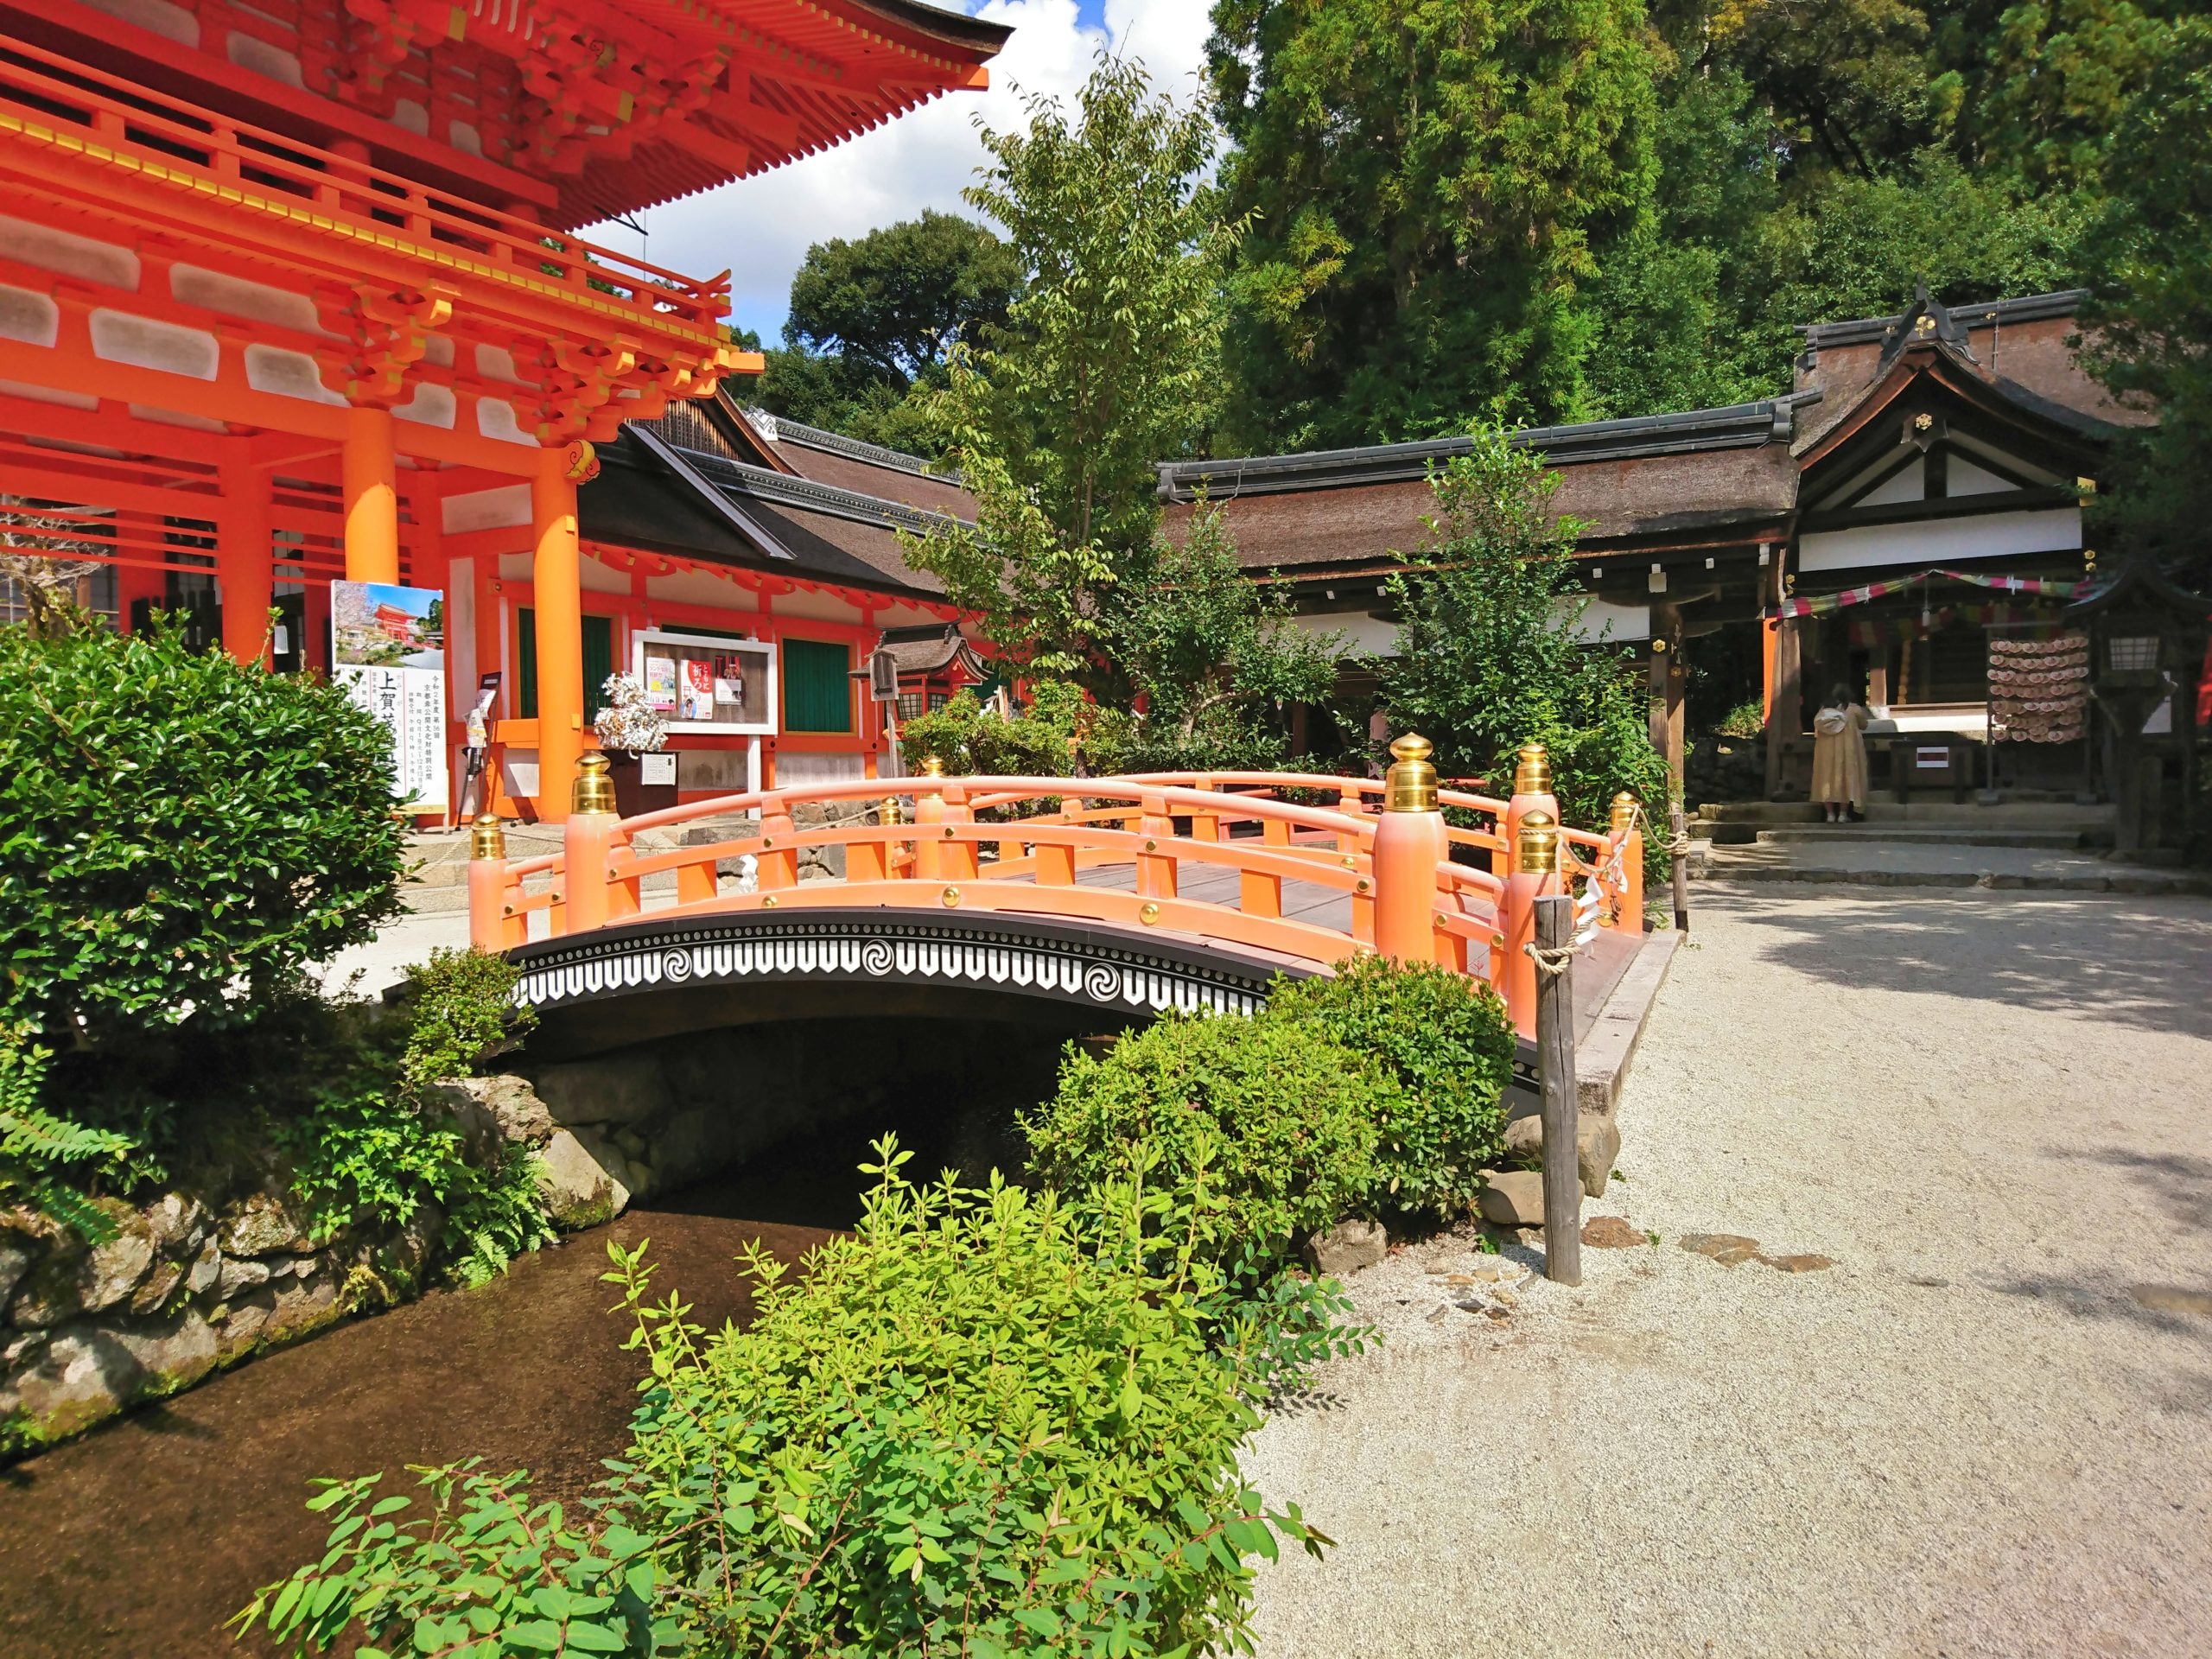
698, 588
144, 343
1365, 635
289, 374
1614, 622
494, 509
1942, 541
32, 318
216, 290
68, 255
170, 22
600, 578
817, 607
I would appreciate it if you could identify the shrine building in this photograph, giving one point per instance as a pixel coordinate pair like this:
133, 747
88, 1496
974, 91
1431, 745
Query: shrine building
1907, 521
294, 292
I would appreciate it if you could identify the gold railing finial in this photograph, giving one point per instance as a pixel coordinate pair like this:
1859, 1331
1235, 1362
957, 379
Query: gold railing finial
487, 837
595, 788
1533, 775
1623, 813
891, 810
1537, 853
1411, 785
932, 766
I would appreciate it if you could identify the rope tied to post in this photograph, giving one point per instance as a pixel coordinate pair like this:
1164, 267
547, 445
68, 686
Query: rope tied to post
1550, 963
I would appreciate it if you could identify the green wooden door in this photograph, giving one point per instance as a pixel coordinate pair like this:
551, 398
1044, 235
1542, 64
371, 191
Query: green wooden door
817, 686
598, 663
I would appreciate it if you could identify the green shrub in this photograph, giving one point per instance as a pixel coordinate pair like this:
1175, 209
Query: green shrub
1447, 1042
177, 831
1283, 1117
372, 1149
982, 1424
973, 740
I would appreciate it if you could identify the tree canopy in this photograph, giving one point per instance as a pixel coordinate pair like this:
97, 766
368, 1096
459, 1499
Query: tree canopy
1554, 210
872, 317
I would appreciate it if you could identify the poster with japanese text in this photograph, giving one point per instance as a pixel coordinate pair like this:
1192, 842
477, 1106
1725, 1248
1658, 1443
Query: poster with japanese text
387, 654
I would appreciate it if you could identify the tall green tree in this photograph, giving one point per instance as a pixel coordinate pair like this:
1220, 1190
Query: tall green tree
1215, 657
1108, 363
2152, 277
1428, 180
1490, 653
871, 317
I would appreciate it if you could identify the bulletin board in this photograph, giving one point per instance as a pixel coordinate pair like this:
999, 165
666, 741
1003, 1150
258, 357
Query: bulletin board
698, 684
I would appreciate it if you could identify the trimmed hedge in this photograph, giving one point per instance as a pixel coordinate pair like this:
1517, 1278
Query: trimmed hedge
1280, 1117
1448, 1044
177, 831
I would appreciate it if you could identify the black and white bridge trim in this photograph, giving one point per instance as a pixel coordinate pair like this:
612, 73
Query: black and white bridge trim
1076, 962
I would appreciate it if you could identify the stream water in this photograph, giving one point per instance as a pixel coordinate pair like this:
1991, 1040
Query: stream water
143, 1537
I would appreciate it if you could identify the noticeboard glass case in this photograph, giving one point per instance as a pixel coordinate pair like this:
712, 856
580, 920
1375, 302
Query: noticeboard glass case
699, 683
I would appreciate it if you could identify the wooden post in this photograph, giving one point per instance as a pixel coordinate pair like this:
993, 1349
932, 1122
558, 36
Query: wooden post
1679, 830
1410, 842
487, 886
557, 570
370, 495
587, 840
1555, 1076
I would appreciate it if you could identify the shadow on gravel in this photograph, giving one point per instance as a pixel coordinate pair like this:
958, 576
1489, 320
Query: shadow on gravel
2180, 1183
2139, 964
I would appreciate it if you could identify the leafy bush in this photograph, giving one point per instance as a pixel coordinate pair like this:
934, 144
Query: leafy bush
1746, 719
177, 831
1282, 1117
372, 1150
983, 1424
973, 740
1447, 1042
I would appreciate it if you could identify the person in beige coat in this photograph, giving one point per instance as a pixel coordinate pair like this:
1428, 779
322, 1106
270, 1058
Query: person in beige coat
1840, 755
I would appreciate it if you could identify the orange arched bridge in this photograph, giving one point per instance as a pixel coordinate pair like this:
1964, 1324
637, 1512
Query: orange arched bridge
1125, 895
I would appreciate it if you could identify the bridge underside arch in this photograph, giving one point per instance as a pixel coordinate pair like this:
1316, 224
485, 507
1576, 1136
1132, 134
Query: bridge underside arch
654, 979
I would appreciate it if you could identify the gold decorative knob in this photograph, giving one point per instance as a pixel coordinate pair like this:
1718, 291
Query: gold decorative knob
1411, 785
951, 897
594, 790
487, 837
1149, 915
1623, 813
932, 766
1533, 774
1537, 853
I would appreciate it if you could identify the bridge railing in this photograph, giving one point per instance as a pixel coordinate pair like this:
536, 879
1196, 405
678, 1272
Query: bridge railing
1236, 858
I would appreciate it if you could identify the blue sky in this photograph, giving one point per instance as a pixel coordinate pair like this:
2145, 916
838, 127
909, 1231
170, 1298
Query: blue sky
758, 229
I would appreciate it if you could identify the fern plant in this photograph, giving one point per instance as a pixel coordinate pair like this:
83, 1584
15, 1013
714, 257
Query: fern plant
47, 1161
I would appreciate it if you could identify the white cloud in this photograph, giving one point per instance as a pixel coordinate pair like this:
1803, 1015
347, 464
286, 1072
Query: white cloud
760, 228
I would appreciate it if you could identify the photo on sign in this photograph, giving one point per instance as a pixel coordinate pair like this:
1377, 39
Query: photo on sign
376, 626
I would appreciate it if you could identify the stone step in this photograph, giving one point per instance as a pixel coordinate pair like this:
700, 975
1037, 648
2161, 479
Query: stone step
1862, 834
2133, 880
1943, 814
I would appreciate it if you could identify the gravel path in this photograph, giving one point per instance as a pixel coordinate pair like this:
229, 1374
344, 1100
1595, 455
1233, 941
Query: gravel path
1970, 1436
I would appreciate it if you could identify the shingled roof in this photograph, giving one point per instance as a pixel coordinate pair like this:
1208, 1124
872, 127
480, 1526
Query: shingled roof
698, 504
1694, 474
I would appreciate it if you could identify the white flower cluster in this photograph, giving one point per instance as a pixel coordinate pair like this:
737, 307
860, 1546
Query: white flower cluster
628, 722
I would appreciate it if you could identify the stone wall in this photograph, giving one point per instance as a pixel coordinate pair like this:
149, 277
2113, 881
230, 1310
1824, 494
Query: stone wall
641, 1122
191, 1283
197, 1280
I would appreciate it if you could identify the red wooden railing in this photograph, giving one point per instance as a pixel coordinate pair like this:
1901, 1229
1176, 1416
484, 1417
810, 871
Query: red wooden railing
1417, 887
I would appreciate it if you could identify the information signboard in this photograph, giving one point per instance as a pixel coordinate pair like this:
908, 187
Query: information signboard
387, 652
